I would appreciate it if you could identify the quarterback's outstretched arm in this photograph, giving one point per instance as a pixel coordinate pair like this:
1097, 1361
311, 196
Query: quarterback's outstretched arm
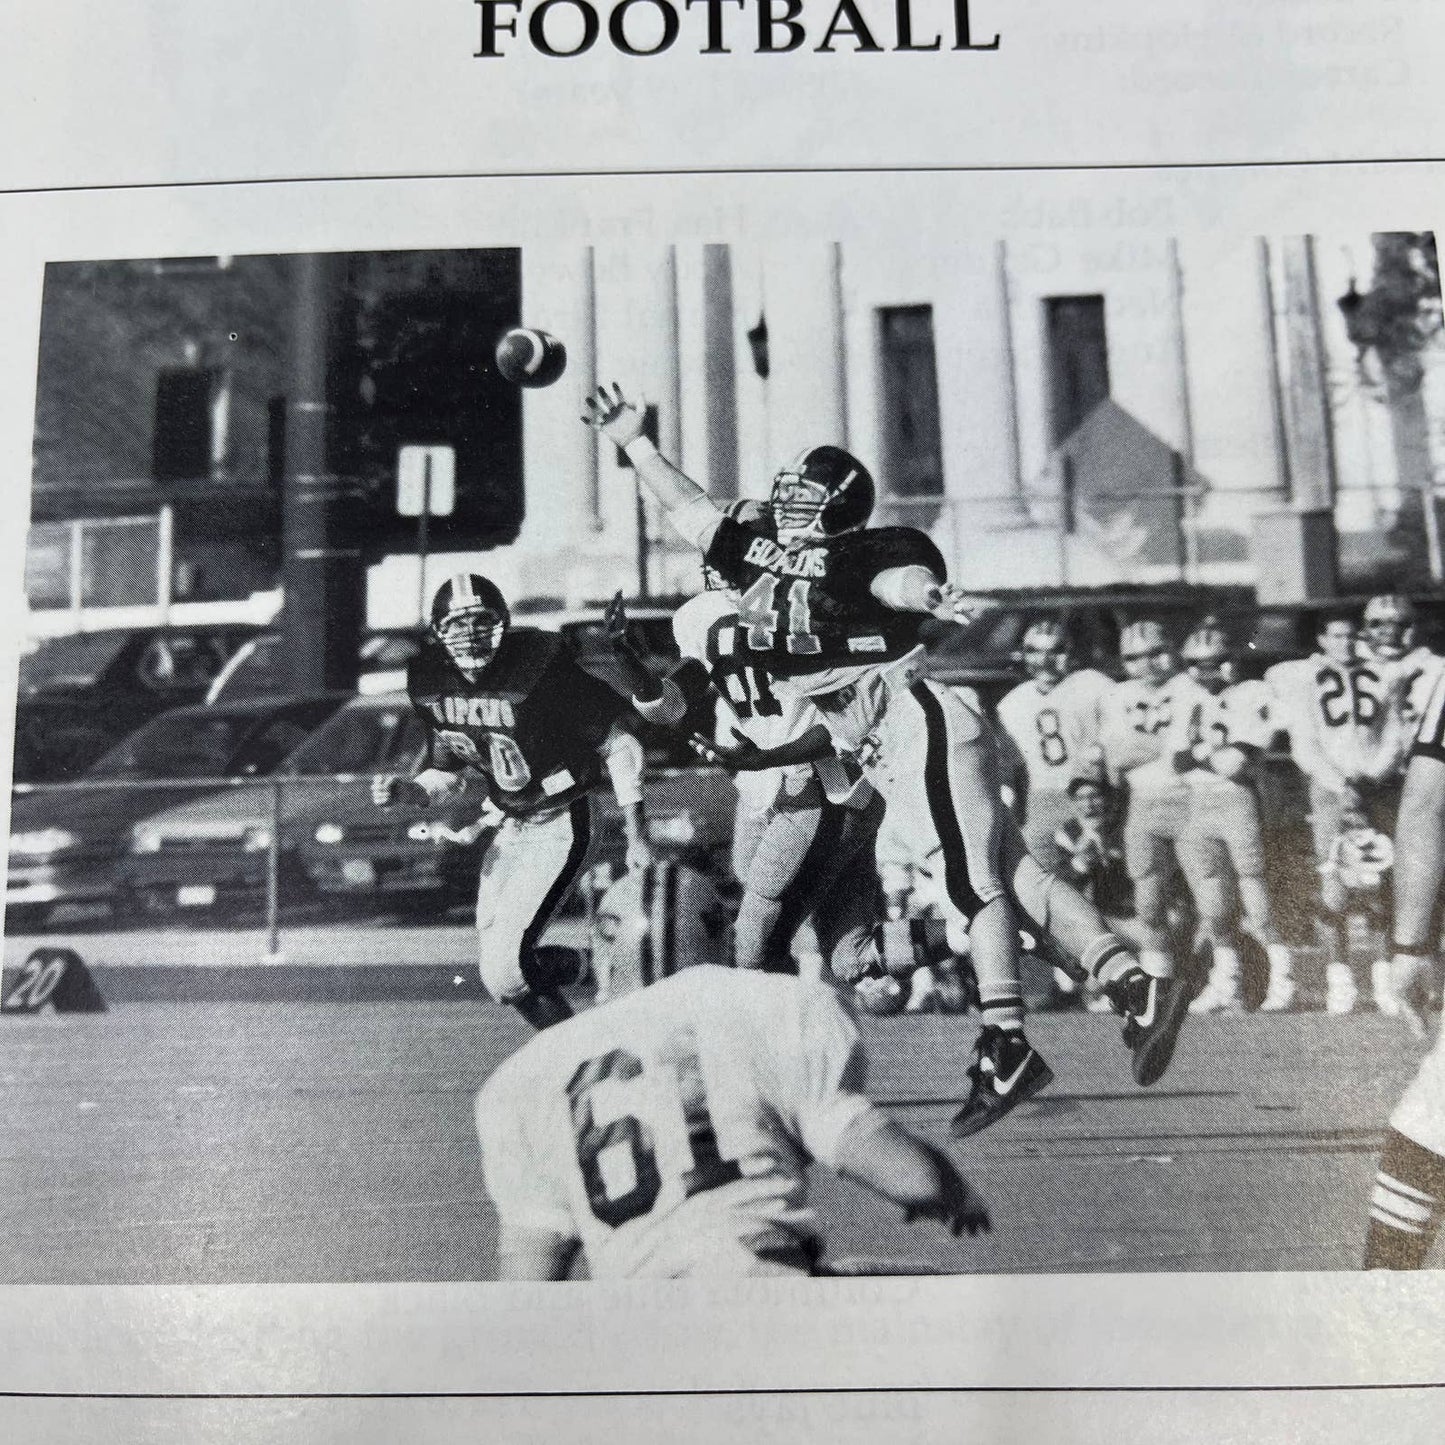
688, 507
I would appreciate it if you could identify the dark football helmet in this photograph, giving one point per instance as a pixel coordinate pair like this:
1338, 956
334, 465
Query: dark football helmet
468, 617
824, 492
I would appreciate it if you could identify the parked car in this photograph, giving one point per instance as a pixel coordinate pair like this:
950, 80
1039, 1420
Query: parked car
212, 854
255, 669
68, 843
79, 695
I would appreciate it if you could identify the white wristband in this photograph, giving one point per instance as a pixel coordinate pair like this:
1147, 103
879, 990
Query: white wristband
639, 450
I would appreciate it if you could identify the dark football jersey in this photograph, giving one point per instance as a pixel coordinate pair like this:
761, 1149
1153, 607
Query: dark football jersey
530, 723
807, 609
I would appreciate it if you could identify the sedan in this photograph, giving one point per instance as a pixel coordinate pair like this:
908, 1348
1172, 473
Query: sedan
68, 841
214, 853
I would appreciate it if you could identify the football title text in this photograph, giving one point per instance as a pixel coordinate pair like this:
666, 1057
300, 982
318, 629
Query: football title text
564, 29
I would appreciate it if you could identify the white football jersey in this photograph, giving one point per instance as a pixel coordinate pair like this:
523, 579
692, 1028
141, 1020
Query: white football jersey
1239, 715
1355, 715
670, 1130
1414, 677
1135, 720
1054, 730
707, 631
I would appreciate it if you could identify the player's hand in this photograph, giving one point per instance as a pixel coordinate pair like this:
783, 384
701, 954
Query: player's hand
608, 411
1412, 979
957, 606
955, 1205
639, 855
741, 757
386, 790
614, 622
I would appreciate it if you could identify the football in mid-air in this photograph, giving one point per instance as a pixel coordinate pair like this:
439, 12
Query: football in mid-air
528, 357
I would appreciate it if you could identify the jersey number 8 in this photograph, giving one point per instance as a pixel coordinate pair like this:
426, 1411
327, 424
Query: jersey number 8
708, 1169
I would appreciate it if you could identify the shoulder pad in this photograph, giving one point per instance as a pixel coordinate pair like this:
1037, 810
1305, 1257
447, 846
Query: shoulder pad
694, 619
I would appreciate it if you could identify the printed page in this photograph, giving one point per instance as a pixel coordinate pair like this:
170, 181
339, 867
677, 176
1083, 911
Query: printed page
725, 719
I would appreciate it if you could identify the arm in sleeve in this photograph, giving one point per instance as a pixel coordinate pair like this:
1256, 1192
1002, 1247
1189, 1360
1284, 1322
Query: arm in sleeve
528, 1199
679, 692
693, 514
828, 1080
623, 758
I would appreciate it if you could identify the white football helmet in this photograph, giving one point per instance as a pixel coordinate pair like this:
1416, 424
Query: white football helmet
1388, 625
653, 922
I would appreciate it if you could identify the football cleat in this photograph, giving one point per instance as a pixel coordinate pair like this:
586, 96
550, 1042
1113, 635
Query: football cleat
469, 616
1342, 993
922, 992
1279, 995
1006, 1070
824, 492
1154, 1010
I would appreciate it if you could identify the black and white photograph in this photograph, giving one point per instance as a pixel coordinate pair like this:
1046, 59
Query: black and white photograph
731, 759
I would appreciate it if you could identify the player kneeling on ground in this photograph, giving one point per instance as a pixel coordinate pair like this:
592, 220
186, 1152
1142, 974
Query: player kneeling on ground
509, 711
666, 1133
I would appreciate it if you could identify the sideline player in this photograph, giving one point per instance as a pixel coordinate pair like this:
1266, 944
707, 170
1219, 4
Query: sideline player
1387, 641
511, 709
1052, 719
666, 1133
833, 610
1348, 718
1216, 747
804, 847
1409, 1195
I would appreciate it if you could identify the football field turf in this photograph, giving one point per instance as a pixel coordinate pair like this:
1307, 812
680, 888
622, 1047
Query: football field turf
265, 1142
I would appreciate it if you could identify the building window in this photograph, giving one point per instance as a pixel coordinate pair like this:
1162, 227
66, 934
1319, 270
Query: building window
1078, 361
912, 444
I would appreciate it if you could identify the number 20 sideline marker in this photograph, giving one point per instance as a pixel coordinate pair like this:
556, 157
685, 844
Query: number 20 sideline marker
563, 29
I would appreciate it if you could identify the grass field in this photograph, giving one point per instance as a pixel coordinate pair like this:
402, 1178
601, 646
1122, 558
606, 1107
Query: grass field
267, 1142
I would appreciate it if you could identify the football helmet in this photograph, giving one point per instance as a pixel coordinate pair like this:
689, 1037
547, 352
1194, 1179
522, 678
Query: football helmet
1206, 657
825, 491
1044, 652
1145, 652
654, 921
469, 616
1388, 623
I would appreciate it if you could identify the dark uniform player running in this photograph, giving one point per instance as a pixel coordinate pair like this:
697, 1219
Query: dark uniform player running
833, 611
510, 709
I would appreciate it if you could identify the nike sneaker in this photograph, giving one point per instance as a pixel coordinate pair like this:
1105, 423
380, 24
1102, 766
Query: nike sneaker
1006, 1070
1154, 1010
